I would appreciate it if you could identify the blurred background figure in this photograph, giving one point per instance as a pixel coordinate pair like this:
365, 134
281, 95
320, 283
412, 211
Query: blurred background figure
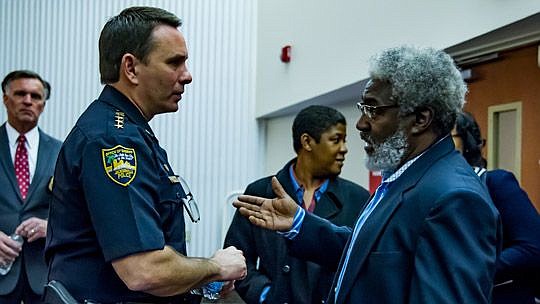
27, 158
319, 140
518, 268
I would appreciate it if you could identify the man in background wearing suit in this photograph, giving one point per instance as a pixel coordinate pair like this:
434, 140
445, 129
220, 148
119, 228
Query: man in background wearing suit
312, 179
430, 233
27, 159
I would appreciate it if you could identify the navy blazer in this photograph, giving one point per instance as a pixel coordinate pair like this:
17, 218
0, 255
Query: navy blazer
520, 256
13, 210
292, 280
434, 238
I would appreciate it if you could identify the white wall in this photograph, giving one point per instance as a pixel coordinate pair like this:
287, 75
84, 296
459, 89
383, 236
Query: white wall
332, 40
212, 140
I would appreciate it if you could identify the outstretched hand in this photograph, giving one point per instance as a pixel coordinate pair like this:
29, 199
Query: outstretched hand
274, 214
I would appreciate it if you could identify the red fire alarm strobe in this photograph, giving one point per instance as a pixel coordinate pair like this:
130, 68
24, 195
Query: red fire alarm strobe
286, 53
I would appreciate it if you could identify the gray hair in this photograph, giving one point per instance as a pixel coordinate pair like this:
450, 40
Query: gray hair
422, 77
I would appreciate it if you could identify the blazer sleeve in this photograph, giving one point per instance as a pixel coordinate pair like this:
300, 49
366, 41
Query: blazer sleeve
240, 235
521, 224
454, 261
320, 241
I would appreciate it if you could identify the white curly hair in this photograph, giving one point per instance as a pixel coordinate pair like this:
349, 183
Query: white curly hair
422, 77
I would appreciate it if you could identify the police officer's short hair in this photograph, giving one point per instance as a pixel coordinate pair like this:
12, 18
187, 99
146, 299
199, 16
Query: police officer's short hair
20, 74
129, 32
314, 120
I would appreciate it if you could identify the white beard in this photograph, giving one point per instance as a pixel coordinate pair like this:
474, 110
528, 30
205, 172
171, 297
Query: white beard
387, 155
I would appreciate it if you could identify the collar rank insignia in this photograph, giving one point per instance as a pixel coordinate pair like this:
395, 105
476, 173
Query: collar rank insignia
174, 179
120, 164
119, 119
50, 185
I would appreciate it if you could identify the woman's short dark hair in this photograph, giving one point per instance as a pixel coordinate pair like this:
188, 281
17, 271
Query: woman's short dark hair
468, 130
314, 120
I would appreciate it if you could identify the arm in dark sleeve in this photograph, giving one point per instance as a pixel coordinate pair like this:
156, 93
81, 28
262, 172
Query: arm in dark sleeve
521, 224
124, 216
320, 241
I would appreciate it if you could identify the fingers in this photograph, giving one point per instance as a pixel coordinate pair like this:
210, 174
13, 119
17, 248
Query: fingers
32, 229
35, 234
249, 200
232, 263
9, 249
241, 202
259, 222
278, 189
227, 288
253, 213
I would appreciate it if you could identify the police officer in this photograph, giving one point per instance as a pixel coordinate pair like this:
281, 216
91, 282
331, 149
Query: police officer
116, 227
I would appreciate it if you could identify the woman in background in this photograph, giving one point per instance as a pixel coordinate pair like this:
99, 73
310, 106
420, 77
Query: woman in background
518, 270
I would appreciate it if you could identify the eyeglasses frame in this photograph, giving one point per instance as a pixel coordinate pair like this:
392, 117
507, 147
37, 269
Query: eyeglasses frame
369, 111
190, 205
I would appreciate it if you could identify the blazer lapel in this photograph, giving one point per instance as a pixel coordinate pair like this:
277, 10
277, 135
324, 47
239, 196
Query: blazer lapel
326, 207
368, 236
7, 163
376, 222
284, 179
43, 160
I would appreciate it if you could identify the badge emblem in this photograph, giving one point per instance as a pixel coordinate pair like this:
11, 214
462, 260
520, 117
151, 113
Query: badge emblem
120, 164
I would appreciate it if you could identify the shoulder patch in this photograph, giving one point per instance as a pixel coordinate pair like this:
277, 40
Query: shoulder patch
120, 164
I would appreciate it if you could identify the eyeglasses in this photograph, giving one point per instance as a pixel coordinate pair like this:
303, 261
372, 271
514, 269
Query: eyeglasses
189, 202
372, 111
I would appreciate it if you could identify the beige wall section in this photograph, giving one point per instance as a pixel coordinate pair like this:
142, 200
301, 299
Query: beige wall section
279, 147
331, 41
513, 77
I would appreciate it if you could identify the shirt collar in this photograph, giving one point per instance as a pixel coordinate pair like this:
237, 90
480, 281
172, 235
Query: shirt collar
32, 136
118, 100
299, 190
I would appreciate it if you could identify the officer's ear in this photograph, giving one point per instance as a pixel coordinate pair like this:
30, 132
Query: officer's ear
128, 68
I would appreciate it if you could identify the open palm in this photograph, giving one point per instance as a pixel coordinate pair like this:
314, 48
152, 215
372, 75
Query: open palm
274, 214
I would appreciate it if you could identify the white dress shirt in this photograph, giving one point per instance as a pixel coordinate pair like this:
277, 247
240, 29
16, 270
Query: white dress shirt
32, 146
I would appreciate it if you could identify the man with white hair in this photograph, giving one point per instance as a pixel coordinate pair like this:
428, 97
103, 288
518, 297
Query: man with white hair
430, 234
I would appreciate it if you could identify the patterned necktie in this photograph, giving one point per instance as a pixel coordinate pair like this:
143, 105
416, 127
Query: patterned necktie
22, 169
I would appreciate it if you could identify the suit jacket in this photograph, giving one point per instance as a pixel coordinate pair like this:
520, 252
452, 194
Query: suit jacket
292, 280
520, 256
433, 238
13, 210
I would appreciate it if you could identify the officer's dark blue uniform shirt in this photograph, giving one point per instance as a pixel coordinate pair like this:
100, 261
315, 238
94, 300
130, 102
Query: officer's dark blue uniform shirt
114, 195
